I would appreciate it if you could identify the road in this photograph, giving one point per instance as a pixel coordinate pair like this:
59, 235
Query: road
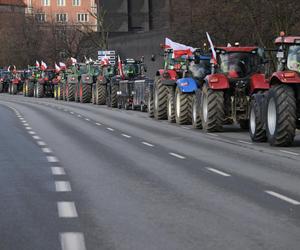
84, 177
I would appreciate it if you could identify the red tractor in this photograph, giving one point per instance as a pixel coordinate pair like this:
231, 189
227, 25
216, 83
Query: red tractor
281, 105
15, 83
237, 74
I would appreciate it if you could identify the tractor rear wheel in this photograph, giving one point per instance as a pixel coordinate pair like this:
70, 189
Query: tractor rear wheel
100, 94
196, 115
30, 89
114, 96
85, 93
183, 107
171, 108
212, 110
14, 89
25, 88
55, 92
70, 92
39, 90
150, 105
76, 97
256, 129
160, 100
281, 115
1, 87
9, 89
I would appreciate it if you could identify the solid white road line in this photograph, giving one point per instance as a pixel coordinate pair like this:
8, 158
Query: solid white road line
110, 129
66, 209
47, 150
147, 144
58, 171
52, 159
72, 241
62, 186
218, 172
98, 124
36, 137
31, 132
212, 134
177, 155
41, 143
246, 142
282, 197
289, 152
127, 136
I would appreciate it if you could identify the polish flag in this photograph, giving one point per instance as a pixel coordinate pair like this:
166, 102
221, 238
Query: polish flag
62, 66
178, 48
43, 65
121, 73
57, 68
214, 54
37, 64
74, 61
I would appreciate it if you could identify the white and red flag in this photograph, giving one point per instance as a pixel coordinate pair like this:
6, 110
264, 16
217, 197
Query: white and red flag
74, 61
37, 64
43, 66
178, 48
120, 68
62, 66
57, 68
213, 51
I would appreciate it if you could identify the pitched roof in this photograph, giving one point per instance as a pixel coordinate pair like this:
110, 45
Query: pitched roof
13, 2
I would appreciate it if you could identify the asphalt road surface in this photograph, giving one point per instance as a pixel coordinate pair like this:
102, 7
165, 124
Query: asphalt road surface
85, 177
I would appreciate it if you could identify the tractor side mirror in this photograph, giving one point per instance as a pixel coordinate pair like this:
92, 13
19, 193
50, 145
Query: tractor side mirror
153, 58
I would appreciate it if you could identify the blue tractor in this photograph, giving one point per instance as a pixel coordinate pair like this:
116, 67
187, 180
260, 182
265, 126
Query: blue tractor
183, 95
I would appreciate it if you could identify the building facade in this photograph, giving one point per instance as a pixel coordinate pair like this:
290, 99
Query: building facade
69, 12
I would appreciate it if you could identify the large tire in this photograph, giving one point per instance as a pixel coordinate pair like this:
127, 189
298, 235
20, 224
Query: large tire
59, 91
39, 90
55, 95
100, 94
183, 109
160, 100
76, 96
85, 93
70, 92
9, 89
257, 130
212, 110
150, 105
281, 115
1, 87
25, 88
196, 110
114, 96
171, 107
30, 89
14, 89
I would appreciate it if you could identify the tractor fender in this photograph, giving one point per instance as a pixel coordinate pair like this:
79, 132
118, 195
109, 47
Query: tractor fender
187, 85
217, 81
101, 80
71, 79
167, 74
287, 77
258, 82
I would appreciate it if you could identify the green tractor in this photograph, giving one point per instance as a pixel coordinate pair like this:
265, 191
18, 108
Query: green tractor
32, 76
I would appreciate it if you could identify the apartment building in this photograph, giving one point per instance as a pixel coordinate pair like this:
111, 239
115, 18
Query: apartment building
70, 12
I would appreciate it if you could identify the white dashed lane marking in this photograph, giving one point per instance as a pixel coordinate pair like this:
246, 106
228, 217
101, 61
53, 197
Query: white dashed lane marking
283, 197
52, 159
36, 137
28, 128
127, 136
212, 134
66, 209
47, 150
72, 113
98, 124
58, 171
78, 115
177, 155
72, 241
246, 142
41, 143
147, 144
62, 186
87, 119
218, 172
110, 129
31, 132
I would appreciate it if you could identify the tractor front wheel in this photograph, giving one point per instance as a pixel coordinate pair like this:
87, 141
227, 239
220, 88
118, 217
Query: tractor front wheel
170, 108
256, 129
160, 100
85, 93
183, 107
100, 94
196, 115
281, 115
39, 90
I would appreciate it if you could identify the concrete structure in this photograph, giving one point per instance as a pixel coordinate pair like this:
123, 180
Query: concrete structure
73, 12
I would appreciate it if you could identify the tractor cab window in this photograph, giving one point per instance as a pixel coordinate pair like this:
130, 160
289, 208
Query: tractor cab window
293, 60
109, 71
83, 69
239, 64
200, 68
131, 69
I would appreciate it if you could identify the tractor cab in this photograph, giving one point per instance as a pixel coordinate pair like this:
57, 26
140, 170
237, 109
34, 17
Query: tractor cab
175, 60
239, 62
198, 66
131, 68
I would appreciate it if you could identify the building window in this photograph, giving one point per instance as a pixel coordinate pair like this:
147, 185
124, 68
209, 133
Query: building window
61, 2
61, 18
82, 17
46, 2
41, 18
76, 2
